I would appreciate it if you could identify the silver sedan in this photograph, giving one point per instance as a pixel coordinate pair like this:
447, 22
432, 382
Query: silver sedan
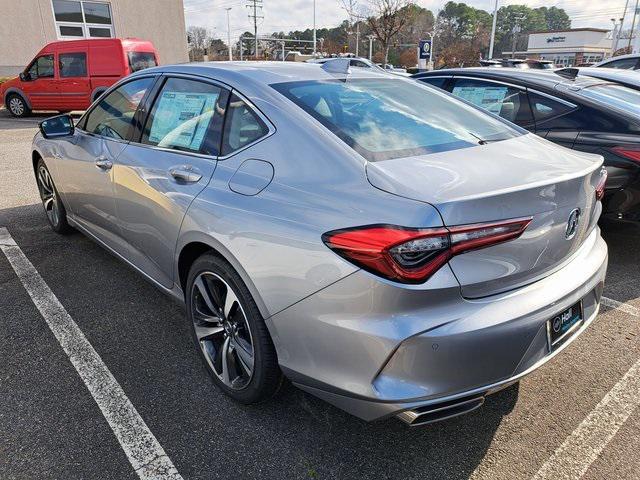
383, 245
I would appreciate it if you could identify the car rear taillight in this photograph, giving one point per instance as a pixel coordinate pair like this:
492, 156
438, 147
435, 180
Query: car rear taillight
632, 152
601, 184
412, 255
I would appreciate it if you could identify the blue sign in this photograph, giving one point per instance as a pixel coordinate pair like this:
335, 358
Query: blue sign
425, 50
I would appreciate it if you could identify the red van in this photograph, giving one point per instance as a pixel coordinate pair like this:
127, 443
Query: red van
70, 75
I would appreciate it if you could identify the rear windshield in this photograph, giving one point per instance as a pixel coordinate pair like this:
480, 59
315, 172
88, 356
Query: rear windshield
141, 60
616, 96
389, 118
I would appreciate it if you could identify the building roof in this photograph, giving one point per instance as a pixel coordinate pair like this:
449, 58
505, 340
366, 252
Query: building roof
585, 29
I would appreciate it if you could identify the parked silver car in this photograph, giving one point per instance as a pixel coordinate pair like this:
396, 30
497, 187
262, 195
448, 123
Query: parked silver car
394, 251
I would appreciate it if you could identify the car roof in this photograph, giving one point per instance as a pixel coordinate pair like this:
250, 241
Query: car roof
619, 57
530, 77
263, 73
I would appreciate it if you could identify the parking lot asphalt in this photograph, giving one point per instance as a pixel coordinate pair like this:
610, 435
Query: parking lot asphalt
51, 426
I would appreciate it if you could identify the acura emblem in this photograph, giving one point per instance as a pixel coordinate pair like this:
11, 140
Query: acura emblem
572, 224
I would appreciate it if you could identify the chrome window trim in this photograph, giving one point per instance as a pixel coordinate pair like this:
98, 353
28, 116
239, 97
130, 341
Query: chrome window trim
481, 79
551, 97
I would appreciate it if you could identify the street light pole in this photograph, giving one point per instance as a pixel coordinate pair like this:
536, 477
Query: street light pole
633, 25
371, 37
493, 30
229, 34
624, 14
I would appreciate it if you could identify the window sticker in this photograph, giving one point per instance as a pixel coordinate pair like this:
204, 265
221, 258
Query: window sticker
181, 119
489, 98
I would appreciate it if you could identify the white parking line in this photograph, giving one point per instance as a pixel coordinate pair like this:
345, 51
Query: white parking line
623, 307
572, 459
145, 454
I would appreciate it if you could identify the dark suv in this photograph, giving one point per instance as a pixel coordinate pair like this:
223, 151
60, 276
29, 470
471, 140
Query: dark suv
581, 113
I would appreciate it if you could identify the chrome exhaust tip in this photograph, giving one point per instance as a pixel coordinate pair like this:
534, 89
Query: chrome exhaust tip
440, 411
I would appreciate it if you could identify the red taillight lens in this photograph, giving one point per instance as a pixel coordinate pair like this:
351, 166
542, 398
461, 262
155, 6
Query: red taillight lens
412, 255
632, 152
602, 183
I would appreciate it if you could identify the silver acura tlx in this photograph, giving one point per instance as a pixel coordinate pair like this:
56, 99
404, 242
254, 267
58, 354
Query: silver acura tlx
388, 248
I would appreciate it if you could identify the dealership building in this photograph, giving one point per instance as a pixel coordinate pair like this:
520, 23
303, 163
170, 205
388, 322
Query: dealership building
568, 47
28, 25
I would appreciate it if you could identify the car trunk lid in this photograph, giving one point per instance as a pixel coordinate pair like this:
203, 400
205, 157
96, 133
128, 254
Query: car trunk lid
521, 177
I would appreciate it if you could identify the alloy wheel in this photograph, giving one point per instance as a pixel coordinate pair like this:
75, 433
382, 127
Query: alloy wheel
222, 330
48, 195
16, 106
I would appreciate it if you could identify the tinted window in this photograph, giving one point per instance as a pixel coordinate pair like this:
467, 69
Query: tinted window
99, 32
67, 31
72, 64
616, 96
358, 63
382, 119
545, 108
113, 116
435, 81
508, 102
624, 63
141, 60
242, 126
186, 116
42, 67
67, 11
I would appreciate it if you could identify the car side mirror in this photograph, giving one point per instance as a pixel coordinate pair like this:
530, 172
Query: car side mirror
58, 126
25, 77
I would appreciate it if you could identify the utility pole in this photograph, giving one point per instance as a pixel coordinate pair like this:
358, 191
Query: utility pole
633, 24
357, 36
255, 5
624, 14
493, 30
371, 37
314, 28
229, 34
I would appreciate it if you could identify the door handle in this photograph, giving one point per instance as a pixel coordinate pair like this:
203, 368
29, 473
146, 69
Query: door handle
104, 163
185, 173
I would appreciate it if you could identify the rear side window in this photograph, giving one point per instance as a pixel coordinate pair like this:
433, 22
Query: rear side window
434, 81
72, 64
187, 116
506, 101
141, 60
545, 108
113, 116
616, 96
383, 118
242, 126
42, 67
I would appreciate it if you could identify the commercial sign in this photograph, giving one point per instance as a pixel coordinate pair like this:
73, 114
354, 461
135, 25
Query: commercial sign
424, 52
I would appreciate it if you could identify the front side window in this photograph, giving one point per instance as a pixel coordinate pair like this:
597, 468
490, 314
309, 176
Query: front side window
83, 19
242, 126
187, 116
72, 64
141, 60
508, 102
545, 108
113, 116
381, 119
42, 67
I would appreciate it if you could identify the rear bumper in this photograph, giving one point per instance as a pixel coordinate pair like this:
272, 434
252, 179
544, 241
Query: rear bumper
376, 349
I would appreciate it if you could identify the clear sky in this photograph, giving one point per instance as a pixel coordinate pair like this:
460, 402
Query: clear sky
289, 15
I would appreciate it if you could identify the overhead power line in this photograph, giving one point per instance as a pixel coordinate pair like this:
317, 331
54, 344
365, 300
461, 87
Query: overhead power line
255, 5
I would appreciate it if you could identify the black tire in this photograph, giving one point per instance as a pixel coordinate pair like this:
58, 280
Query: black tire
266, 378
17, 106
51, 202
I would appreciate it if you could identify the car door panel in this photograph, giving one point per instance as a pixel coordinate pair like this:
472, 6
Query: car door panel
157, 178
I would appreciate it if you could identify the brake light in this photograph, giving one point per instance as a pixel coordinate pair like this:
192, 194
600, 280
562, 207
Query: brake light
601, 184
632, 152
412, 255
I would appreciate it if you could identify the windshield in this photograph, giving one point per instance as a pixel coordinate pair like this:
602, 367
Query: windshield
616, 96
385, 118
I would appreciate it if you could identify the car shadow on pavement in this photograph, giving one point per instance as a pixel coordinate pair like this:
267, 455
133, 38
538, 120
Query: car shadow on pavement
622, 283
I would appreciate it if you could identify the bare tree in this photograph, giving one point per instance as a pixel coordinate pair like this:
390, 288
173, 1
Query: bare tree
387, 18
198, 41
